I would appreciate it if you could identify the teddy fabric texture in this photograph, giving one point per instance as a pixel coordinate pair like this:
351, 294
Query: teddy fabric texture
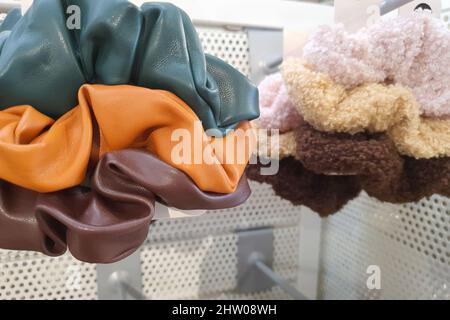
370, 107
46, 156
326, 170
412, 51
324, 194
155, 46
109, 220
277, 110
374, 161
329, 170
277, 146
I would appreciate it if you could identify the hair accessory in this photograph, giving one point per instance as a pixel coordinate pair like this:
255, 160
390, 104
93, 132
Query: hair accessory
412, 51
155, 46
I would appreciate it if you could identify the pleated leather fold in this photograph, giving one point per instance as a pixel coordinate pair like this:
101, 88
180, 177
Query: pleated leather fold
11, 19
47, 156
43, 155
109, 221
43, 62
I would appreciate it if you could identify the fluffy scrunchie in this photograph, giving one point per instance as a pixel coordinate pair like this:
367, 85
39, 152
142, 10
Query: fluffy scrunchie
277, 110
327, 170
272, 147
108, 221
324, 194
329, 107
373, 159
44, 60
412, 51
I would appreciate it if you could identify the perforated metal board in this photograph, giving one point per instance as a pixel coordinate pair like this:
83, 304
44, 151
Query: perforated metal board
409, 243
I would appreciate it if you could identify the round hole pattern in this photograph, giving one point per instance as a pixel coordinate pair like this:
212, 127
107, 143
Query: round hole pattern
25, 275
230, 46
410, 243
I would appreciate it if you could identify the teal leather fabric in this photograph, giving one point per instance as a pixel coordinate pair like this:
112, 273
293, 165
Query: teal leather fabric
8, 23
11, 19
43, 63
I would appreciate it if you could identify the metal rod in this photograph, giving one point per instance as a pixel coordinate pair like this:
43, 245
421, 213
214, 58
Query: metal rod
128, 289
272, 66
279, 281
391, 5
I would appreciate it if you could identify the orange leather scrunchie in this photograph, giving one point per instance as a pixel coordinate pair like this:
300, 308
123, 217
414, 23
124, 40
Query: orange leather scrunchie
42, 155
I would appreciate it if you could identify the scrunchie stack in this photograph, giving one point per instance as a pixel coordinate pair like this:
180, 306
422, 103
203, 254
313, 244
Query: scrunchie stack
365, 117
95, 125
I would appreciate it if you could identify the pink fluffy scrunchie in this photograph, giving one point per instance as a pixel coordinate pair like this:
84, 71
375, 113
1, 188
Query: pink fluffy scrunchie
412, 51
277, 111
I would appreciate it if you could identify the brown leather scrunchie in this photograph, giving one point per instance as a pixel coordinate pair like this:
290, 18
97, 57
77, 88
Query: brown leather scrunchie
110, 221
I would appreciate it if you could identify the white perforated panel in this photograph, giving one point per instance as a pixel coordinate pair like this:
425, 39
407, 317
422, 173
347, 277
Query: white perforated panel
196, 258
410, 243
206, 267
231, 46
27, 275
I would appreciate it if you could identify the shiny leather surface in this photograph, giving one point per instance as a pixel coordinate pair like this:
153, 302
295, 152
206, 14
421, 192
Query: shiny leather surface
47, 156
109, 221
11, 19
129, 116
43, 63
43, 155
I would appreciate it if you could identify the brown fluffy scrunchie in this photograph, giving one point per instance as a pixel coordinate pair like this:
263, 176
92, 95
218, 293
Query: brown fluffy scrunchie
329, 170
323, 194
376, 163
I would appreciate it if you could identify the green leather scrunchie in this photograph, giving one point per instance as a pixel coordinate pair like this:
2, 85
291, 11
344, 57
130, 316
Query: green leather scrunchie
43, 63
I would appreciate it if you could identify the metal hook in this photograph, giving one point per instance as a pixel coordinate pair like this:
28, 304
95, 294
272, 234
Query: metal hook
391, 5
255, 256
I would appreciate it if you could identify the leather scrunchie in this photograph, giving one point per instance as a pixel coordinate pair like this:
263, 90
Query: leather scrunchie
110, 220
46, 156
43, 63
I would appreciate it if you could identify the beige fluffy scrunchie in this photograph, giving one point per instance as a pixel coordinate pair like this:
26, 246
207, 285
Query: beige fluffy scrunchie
371, 107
